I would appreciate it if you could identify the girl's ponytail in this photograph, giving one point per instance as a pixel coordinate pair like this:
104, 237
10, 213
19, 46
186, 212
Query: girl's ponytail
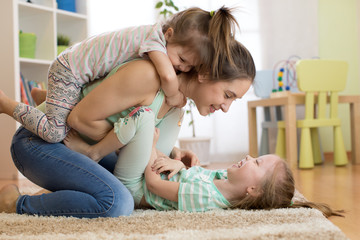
326, 210
222, 28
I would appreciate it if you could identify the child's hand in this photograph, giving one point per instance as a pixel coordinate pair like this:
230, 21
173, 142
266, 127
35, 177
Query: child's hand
163, 164
188, 157
177, 100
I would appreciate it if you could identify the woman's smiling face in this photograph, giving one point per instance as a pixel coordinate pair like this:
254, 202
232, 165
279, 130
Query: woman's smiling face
210, 96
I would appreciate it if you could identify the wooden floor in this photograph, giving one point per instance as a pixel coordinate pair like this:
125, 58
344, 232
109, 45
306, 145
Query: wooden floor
337, 186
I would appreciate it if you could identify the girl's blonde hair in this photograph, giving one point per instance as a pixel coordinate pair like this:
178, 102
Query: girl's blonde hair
277, 191
208, 33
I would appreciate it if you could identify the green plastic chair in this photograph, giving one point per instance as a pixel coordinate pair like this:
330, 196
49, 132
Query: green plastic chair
321, 79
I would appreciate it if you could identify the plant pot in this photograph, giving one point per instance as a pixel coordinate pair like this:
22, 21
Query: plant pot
67, 5
200, 146
27, 45
61, 48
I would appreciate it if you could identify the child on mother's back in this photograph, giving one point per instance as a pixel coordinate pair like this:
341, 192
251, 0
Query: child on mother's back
193, 38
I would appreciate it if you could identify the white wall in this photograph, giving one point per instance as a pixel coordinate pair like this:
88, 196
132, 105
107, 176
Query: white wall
108, 15
287, 28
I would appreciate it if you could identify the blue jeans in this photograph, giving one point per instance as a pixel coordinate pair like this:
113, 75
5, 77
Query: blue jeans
80, 187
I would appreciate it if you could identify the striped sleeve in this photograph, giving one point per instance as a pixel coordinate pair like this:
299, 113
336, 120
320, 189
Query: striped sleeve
155, 41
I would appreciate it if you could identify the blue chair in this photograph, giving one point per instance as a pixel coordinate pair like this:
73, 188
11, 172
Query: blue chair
263, 85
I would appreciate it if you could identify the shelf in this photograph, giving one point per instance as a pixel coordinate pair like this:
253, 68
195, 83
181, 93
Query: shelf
44, 20
35, 61
40, 4
70, 15
41, 21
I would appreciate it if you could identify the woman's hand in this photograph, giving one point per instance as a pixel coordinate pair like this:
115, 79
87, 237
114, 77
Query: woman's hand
186, 156
163, 164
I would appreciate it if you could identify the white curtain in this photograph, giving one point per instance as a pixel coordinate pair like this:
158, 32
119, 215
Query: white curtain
287, 27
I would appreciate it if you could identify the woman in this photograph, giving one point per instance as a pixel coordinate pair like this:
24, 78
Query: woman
81, 187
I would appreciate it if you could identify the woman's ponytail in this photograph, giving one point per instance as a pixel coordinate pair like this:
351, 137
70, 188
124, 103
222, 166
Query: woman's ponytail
222, 28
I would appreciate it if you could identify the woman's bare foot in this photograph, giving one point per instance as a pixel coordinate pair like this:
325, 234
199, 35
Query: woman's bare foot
8, 197
42, 191
76, 143
39, 95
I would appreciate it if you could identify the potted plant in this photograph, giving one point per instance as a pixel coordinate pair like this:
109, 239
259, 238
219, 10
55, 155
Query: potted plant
27, 44
199, 145
63, 43
166, 7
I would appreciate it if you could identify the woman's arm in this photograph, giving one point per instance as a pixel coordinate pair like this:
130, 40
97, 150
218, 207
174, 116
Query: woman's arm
134, 84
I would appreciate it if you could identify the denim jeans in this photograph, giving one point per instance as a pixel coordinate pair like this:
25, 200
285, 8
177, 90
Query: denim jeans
80, 187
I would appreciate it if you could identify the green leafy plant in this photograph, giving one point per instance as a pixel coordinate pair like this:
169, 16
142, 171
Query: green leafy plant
63, 40
167, 7
189, 107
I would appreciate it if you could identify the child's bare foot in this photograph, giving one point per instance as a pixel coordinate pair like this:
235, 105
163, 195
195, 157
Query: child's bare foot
76, 143
8, 196
3, 100
7, 105
39, 95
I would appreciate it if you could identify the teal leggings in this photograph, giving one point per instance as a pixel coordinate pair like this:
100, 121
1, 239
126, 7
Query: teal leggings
136, 131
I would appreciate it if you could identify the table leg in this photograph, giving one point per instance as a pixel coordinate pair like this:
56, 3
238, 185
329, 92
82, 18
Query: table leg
355, 132
253, 143
291, 139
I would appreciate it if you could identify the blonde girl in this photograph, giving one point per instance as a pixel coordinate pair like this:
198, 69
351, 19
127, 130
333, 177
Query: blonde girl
265, 182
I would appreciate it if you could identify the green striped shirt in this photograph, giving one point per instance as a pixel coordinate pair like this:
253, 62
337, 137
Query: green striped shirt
197, 191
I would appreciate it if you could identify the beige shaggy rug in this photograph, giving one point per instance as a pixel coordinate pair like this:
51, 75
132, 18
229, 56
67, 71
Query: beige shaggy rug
151, 224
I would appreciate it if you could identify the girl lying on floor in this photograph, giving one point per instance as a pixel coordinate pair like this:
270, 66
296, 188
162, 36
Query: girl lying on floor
265, 182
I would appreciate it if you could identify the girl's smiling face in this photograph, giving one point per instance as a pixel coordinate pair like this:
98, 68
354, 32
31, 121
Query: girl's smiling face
180, 57
249, 171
